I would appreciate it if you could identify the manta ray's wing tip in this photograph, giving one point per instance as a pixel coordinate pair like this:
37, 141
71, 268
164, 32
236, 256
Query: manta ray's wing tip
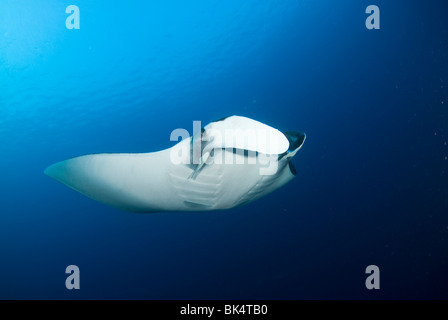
57, 171
50, 171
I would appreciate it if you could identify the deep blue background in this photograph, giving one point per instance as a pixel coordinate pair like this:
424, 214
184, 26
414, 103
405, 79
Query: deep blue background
372, 183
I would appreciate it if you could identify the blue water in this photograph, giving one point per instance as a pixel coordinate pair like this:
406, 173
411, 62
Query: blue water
372, 182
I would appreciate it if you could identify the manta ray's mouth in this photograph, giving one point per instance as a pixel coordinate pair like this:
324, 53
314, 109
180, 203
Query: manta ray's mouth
295, 139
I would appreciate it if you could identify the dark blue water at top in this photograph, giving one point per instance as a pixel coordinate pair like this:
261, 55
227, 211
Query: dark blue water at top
372, 183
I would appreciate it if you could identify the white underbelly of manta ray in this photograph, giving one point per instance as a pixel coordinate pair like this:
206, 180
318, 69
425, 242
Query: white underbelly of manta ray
231, 162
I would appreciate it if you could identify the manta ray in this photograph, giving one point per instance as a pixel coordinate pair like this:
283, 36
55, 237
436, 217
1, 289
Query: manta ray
230, 162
